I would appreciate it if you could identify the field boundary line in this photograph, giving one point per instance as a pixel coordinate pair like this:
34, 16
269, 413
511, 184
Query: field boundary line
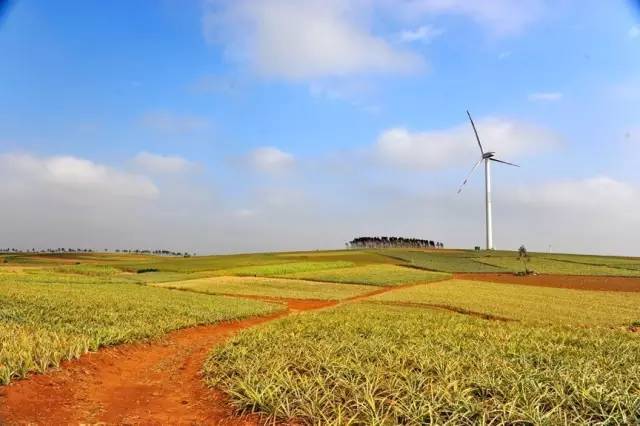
575, 262
451, 308
387, 289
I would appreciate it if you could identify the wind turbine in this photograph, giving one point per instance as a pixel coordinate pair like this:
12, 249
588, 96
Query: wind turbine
487, 157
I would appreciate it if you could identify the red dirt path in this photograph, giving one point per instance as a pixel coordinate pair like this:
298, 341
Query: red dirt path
142, 383
578, 282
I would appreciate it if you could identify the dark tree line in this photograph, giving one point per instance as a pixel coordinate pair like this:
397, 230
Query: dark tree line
393, 242
84, 250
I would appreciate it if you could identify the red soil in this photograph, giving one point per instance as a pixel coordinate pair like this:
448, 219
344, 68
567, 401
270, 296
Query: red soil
579, 282
142, 383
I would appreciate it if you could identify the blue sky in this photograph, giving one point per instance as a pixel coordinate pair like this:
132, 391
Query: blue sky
222, 126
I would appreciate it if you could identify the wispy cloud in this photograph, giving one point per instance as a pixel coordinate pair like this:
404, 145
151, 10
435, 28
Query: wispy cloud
634, 32
436, 149
269, 159
157, 163
501, 17
71, 177
545, 96
303, 40
424, 34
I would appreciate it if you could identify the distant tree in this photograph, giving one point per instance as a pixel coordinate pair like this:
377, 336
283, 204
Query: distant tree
391, 242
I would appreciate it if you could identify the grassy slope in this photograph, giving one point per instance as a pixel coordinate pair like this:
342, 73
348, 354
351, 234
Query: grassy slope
47, 317
271, 287
611, 261
372, 275
284, 268
175, 268
532, 304
545, 265
451, 261
369, 364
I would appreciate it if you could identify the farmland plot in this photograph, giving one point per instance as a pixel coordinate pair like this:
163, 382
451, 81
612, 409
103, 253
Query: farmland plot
553, 266
532, 304
380, 275
446, 262
610, 261
373, 364
280, 269
272, 287
46, 318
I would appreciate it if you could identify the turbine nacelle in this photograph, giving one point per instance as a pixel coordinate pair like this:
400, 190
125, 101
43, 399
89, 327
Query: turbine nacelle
488, 154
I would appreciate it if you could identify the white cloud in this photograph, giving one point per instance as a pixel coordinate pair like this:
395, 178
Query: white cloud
168, 122
634, 32
545, 96
303, 40
593, 215
270, 160
156, 163
424, 34
501, 17
441, 148
600, 192
72, 176
69, 201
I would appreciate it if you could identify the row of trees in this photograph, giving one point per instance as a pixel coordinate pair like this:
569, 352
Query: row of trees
156, 252
393, 242
48, 250
84, 250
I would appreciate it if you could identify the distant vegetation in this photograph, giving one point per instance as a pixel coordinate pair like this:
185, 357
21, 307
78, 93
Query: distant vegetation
157, 252
393, 242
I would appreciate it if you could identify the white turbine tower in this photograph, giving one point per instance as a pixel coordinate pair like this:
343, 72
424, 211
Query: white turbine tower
487, 157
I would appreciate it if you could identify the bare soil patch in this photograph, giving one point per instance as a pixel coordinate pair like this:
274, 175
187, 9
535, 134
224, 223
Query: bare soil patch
143, 383
576, 282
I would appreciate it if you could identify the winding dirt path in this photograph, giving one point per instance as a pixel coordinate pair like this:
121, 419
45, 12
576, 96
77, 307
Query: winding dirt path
142, 383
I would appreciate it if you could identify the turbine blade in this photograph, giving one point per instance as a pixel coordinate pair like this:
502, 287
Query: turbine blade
475, 132
504, 162
464, 182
